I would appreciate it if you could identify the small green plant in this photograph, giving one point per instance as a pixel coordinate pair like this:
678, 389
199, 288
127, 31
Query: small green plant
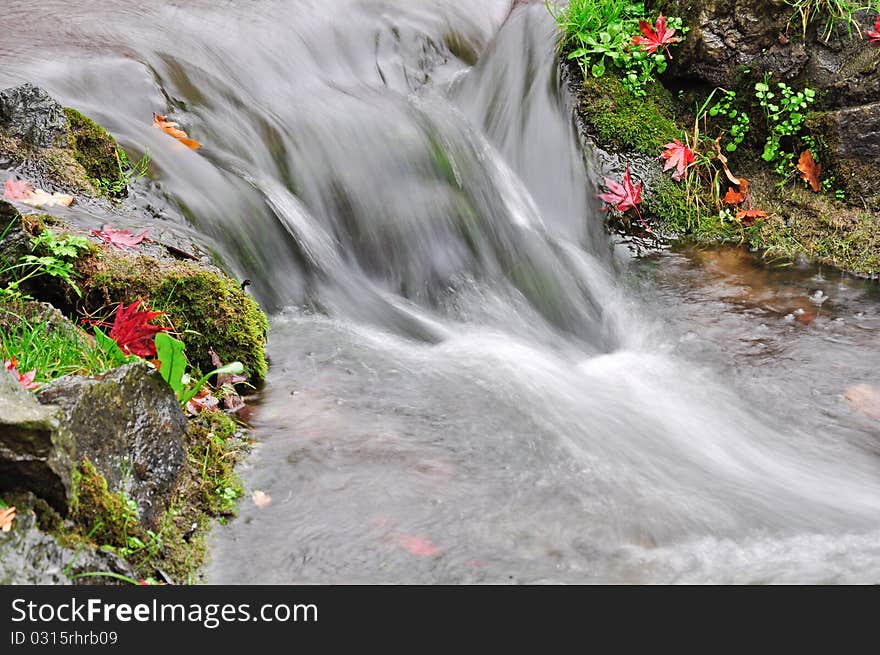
127, 173
55, 260
601, 35
739, 121
833, 12
173, 368
785, 113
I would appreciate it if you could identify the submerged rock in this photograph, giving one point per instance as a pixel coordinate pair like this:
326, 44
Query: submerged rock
129, 424
36, 448
32, 115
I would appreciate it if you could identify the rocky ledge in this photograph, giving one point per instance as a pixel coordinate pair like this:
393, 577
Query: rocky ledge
112, 474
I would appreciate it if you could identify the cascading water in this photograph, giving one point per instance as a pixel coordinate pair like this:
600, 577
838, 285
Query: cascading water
467, 383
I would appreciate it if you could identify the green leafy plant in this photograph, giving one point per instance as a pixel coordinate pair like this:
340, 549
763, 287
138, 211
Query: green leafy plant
173, 366
833, 12
738, 121
55, 260
604, 34
127, 172
785, 112
115, 354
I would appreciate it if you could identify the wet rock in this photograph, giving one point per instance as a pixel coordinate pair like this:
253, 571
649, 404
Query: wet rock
128, 423
29, 556
15, 242
36, 448
29, 113
732, 43
850, 142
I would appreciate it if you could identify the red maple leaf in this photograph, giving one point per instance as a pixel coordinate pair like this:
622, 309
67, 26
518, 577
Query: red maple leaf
623, 196
677, 155
131, 331
874, 35
25, 379
122, 239
654, 39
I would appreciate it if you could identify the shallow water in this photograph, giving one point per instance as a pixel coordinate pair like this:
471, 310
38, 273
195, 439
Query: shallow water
470, 382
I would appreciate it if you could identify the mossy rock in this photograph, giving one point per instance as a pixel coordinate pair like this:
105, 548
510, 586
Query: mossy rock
83, 160
621, 119
96, 151
103, 515
206, 308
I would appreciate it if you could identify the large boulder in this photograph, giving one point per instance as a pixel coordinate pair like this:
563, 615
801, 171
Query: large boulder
36, 448
129, 424
29, 113
29, 556
732, 42
56, 147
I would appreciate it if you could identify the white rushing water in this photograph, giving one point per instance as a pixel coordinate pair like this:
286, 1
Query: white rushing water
468, 384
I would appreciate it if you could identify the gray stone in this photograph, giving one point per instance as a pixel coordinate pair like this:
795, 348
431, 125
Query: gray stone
31, 114
733, 43
129, 424
29, 556
854, 134
36, 449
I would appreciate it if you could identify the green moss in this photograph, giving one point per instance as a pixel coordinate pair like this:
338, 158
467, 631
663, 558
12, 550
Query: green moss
107, 518
208, 310
212, 452
208, 489
623, 120
96, 151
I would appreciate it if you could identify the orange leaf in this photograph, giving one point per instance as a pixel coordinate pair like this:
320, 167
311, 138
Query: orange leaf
810, 170
7, 516
733, 197
749, 216
172, 129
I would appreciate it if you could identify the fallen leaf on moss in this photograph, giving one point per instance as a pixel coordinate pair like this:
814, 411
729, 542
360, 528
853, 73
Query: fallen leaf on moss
131, 330
122, 239
733, 197
679, 156
749, 216
203, 401
261, 499
810, 170
656, 37
7, 516
173, 129
24, 192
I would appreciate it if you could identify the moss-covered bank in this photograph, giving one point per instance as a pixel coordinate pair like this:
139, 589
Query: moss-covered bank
175, 551
632, 131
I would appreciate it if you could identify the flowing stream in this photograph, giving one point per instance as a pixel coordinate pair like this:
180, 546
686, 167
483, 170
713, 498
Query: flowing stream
471, 382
